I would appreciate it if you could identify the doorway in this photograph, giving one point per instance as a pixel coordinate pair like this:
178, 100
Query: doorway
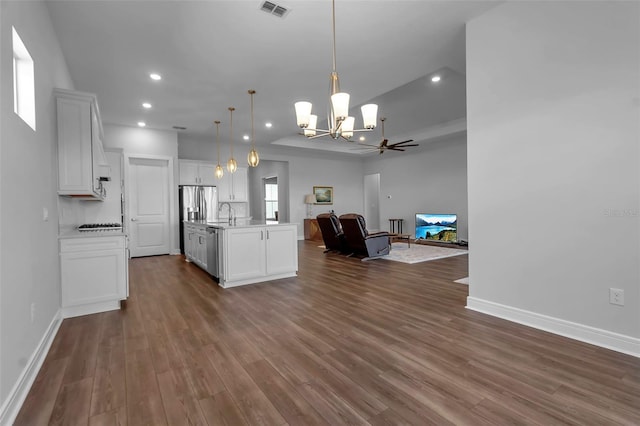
149, 206
372, 201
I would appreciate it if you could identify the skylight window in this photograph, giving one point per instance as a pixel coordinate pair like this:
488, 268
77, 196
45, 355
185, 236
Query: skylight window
24, 100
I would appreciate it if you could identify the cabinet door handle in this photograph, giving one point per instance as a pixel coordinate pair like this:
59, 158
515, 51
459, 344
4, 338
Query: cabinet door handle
267, 235
261, 235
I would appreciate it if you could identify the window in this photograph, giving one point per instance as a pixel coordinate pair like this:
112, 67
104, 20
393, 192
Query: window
24, 101
271, 198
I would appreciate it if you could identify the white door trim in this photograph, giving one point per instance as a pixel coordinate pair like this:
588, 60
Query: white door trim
173, 195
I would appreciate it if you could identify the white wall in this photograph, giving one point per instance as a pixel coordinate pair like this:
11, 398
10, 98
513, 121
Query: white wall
136, 141
29, 267
553, 91
431, 178
306, 170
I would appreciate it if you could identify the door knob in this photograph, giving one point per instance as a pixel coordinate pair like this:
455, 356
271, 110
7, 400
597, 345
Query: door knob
133, 219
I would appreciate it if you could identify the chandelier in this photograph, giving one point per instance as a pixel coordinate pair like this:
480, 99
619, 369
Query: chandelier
339, 122
252, 158
219, 171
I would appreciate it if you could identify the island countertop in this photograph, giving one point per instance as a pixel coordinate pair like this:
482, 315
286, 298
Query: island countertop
238, 223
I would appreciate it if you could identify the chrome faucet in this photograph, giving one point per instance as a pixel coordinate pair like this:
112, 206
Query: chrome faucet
231, 212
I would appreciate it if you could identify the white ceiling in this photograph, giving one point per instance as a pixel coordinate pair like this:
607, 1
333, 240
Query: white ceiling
210, 53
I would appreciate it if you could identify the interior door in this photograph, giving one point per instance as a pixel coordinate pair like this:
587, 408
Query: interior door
149, 206
372, 201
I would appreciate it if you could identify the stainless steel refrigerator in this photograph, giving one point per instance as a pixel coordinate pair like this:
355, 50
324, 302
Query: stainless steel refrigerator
197, 203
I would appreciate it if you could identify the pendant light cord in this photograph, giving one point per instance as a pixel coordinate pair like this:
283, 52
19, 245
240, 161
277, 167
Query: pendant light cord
218, 139
253, 146
334, 34
231, 130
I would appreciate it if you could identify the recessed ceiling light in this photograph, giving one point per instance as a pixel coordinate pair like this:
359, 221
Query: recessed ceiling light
435, 78
362, 138
146, 105
141, 124
269, 125
155, 76
245, 137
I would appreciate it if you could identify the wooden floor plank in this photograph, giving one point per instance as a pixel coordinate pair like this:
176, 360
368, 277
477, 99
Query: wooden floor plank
344, 342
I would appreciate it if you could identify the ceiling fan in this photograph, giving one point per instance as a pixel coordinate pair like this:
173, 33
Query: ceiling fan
384, 145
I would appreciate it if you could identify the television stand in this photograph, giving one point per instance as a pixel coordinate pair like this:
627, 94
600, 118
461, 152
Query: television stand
441, 243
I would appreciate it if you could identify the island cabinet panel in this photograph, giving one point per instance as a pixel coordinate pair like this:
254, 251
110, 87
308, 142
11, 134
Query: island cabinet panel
253, 254
282, 249
245, 253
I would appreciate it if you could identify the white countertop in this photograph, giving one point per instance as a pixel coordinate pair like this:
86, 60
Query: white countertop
74, 233
239, 223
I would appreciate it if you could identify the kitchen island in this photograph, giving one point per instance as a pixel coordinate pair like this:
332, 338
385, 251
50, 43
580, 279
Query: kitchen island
244, 251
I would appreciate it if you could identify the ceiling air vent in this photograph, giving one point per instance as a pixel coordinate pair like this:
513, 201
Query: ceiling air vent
179, 128
274, 9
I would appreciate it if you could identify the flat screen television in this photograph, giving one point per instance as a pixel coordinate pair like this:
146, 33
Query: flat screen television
439, 227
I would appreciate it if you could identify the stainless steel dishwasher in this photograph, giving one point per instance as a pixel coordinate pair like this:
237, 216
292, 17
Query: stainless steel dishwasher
212, 251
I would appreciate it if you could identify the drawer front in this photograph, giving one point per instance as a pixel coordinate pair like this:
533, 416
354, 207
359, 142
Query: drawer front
70, 245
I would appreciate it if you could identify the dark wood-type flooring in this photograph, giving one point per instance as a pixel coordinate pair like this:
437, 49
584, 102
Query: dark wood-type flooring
346, 342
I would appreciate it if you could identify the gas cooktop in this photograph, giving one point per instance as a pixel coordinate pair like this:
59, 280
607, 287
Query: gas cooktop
100, 227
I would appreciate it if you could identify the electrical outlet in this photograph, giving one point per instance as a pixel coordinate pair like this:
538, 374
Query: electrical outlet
45, 214
33, 312
616, 296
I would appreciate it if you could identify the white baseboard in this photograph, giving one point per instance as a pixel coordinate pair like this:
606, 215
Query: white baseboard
584, 333
89, 308
11, 406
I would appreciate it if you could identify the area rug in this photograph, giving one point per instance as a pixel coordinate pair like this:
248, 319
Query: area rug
464, 280
400, 252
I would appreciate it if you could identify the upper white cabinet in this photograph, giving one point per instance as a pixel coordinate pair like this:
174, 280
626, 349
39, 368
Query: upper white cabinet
80, 147
197, 173
233, 186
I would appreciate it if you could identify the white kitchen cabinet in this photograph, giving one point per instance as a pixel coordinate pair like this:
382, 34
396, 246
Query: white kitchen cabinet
244, 253
253, 254
94, 274
80, 149
201, 247
195, 244
197, 173
189, 241
282, 249
233, 187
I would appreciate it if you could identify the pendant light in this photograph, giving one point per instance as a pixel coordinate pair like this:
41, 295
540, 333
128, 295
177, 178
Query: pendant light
253, 159
232, 164
219, 170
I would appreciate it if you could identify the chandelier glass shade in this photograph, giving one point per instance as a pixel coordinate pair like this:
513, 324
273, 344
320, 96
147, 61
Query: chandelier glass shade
252, 158
232, 164
219, 172
340, 124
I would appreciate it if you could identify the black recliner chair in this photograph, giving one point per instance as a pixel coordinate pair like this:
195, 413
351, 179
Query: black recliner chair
331, 232
360, 241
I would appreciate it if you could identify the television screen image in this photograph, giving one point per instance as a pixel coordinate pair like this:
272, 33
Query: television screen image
438, 227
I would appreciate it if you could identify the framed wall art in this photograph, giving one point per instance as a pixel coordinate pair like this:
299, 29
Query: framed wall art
324, 194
